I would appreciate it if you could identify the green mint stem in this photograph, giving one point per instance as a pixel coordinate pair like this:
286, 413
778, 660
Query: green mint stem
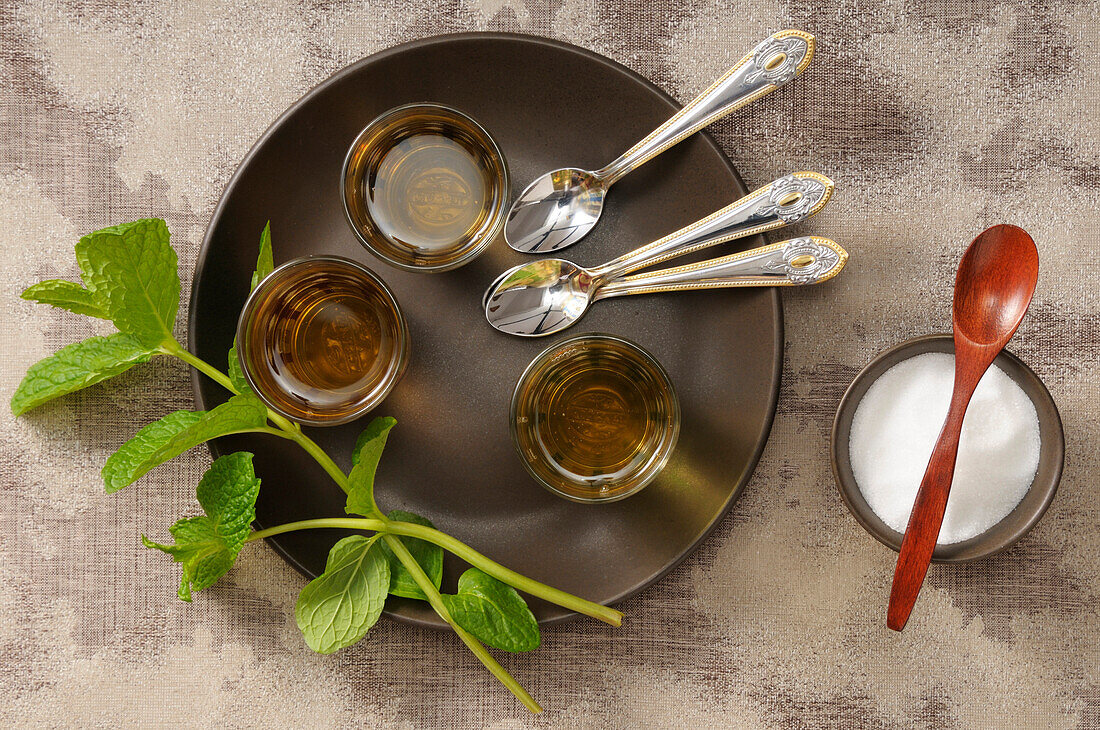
310, 446
436, 601
506, 575
283, 423
348, 523
271, 432
462, 550
178, 350
175, 348
468, 639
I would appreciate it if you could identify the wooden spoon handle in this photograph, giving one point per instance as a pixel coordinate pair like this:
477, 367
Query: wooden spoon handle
926, 518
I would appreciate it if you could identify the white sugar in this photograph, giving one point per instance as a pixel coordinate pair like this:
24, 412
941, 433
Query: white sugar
895, 428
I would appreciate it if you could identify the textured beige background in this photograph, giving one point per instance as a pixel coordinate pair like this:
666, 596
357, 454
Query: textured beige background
935, 118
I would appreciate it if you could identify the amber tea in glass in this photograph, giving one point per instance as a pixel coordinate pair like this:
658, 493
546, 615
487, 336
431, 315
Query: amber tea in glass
425, 187
322, 340
595, 418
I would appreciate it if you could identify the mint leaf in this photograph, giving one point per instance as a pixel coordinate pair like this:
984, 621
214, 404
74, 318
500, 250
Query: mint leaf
77, 366
177, 432
65, 295
364, 459
132, 273
265, 262
372, 441
208, 546
338, 607
133, 456
429, 555
235, 373
493, 612
202, 552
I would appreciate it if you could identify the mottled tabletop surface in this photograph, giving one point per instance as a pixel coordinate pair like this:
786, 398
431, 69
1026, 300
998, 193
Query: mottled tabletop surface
936, 119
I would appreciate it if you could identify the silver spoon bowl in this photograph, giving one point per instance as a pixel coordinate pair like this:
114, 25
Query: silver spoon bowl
555, 211
561, 207
546, 296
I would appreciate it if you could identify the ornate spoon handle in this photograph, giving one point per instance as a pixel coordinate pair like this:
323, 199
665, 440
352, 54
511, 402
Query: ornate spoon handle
773, 63
788, 200
806, 260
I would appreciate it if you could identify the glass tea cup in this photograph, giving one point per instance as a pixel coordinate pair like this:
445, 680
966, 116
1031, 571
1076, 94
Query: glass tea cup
595, 418
425, 188
321, 340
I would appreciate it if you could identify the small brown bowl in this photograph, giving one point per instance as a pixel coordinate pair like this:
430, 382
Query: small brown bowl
1018, 522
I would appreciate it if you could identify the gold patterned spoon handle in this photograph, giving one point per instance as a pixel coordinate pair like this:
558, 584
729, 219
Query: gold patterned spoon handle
774, 62
796, 262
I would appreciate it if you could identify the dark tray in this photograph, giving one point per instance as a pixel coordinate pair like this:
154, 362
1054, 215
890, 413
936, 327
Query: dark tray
450, 458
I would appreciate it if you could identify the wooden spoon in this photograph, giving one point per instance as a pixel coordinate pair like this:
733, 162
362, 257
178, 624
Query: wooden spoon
993, 289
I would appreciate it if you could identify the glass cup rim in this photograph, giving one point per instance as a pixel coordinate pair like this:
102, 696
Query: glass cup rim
657, 461
398, 361
500, 213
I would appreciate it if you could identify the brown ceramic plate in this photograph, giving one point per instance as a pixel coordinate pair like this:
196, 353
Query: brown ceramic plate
1019, 521
451, 457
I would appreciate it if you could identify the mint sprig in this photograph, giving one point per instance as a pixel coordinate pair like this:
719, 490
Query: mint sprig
130, 277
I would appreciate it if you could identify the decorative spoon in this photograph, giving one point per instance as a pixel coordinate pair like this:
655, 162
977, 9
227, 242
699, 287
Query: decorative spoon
561, 207
993, 289
796, 262
545, 296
